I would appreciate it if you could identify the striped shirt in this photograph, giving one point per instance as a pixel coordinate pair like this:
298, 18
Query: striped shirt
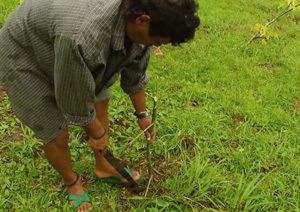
73, 50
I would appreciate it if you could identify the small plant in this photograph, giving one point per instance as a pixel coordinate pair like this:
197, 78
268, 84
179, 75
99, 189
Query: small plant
151, 130
262, 31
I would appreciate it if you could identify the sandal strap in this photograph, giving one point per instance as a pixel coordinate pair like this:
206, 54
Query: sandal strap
75, 181
121, 169
79, 199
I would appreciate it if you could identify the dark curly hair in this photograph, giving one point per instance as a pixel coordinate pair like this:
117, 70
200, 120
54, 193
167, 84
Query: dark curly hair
176, 19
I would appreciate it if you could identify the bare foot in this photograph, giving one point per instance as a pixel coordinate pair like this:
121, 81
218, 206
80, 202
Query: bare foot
157, 51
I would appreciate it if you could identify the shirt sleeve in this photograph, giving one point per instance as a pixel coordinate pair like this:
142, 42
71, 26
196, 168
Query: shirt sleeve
73, 82
133, 76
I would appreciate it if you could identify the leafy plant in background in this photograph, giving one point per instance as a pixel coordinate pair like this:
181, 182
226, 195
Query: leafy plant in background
262, 31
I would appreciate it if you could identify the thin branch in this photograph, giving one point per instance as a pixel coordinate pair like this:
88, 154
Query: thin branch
157, 172
195, 202
133, 140
257, 35
148, 186
282, 14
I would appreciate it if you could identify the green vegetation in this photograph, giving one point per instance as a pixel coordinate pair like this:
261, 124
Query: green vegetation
228, 122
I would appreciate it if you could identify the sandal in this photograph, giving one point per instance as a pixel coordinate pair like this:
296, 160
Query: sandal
123, 172
117, 180
78, 198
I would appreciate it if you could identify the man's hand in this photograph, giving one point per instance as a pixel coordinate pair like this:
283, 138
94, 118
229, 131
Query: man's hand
99, 144
146, 123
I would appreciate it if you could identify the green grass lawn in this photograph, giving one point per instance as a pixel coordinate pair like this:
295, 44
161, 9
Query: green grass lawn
228, 125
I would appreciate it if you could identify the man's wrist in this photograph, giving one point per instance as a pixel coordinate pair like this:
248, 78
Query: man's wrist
142, 114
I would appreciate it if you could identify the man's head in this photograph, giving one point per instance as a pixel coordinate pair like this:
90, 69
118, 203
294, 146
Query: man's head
156, 22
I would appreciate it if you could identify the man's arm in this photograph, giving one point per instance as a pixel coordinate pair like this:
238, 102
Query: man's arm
133, 81
139, 101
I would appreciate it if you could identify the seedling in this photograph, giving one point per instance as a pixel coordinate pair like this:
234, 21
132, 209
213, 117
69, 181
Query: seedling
261, 30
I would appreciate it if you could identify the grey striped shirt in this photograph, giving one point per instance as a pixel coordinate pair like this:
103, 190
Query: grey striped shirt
76, 47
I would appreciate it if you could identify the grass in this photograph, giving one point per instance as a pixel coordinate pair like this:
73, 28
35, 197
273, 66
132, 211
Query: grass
228, 125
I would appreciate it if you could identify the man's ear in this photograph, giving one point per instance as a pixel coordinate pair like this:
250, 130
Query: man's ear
143, 19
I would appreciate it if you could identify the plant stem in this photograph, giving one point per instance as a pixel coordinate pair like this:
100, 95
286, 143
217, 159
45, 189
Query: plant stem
149, 162
139, 135
149, 182
282, 14
257, 35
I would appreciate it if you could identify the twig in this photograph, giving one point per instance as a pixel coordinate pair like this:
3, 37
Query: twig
185, 202
257, 35
133, 140
282, 14
193, 201
158, 172
148, 186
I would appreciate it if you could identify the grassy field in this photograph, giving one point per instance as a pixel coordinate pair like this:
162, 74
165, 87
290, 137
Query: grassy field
228, 125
